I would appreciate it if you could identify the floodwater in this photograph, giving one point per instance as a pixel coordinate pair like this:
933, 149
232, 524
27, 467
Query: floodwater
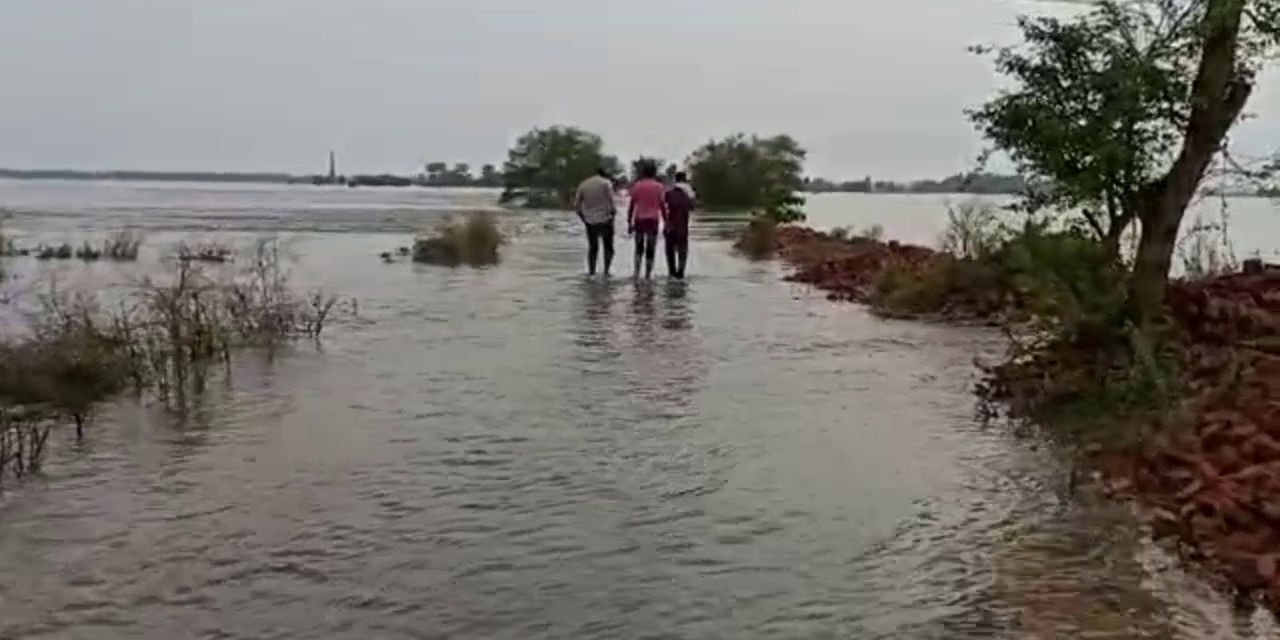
521, 452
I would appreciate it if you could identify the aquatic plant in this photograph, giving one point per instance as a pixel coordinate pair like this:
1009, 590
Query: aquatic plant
88, 252
205, 252
63, 251
161, 338
475, 241
122, 246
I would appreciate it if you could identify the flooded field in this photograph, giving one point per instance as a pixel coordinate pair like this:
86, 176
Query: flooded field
521, 452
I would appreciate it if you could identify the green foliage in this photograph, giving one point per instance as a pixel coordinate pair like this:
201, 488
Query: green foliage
1096, 110
1059, 277
545, 166
741, 173
475, 241
1065, 278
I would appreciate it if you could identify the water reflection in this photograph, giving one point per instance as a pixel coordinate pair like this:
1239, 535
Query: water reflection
593, 328
663, 354
678, 313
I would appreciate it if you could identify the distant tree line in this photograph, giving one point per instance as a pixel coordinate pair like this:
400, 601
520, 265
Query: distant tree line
982, 183
444, 174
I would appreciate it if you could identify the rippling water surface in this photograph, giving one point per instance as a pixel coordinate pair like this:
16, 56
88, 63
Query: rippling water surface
521, 452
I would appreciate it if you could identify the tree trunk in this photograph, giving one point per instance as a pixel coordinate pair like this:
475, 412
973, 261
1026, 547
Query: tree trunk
1156, 243
1218, 95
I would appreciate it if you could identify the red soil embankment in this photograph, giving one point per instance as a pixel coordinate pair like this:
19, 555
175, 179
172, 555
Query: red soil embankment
845, 269
849, 270
1214, 488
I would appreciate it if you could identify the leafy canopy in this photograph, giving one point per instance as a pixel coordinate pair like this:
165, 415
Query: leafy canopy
741, 173
1097, 106
546, 165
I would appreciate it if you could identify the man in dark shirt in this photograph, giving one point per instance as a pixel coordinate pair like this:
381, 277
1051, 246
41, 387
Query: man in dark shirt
681, 201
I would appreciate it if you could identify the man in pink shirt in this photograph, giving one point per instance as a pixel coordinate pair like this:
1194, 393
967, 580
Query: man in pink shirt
648, 206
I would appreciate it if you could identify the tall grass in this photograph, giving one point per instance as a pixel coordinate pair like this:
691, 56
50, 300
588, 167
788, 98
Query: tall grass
1205, 249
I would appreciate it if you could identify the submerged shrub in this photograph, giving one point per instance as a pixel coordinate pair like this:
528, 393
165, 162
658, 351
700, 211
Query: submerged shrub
88, 252
475, 241
63, 251
204, 252
162, 336
122, 246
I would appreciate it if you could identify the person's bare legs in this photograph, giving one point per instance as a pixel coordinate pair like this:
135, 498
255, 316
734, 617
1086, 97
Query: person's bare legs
650, 249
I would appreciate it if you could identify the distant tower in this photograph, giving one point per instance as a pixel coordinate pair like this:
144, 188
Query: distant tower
333, 168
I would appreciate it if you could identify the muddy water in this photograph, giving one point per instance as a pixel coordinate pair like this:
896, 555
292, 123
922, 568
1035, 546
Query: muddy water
524, 453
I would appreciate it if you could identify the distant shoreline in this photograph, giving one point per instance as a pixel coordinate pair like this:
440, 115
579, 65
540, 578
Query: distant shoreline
948, 186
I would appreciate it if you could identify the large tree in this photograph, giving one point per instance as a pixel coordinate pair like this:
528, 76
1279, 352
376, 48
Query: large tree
741, 173
1120, 110
545, 165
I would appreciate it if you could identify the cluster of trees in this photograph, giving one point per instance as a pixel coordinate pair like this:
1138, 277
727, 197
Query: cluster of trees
442, 174
736, 173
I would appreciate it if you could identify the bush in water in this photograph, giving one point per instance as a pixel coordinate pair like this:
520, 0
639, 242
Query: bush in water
475, 241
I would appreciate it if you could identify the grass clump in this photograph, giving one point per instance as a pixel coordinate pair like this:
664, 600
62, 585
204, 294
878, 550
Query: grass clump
873, 233
758, 239
475, 241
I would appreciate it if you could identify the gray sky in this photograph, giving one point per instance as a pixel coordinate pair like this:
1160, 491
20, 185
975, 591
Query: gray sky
869, 86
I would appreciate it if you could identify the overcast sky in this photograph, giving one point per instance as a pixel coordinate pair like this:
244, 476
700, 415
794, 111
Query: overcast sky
869, 86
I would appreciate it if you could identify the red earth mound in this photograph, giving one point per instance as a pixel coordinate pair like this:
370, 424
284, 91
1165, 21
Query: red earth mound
1216, 488
848, 270
845, 269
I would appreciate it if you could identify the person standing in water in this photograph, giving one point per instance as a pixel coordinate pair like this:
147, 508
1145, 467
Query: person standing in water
647, 209
595, 206
681, 201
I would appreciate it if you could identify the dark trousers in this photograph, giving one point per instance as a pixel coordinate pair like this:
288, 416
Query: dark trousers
646, 235
597, 235
677, 245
